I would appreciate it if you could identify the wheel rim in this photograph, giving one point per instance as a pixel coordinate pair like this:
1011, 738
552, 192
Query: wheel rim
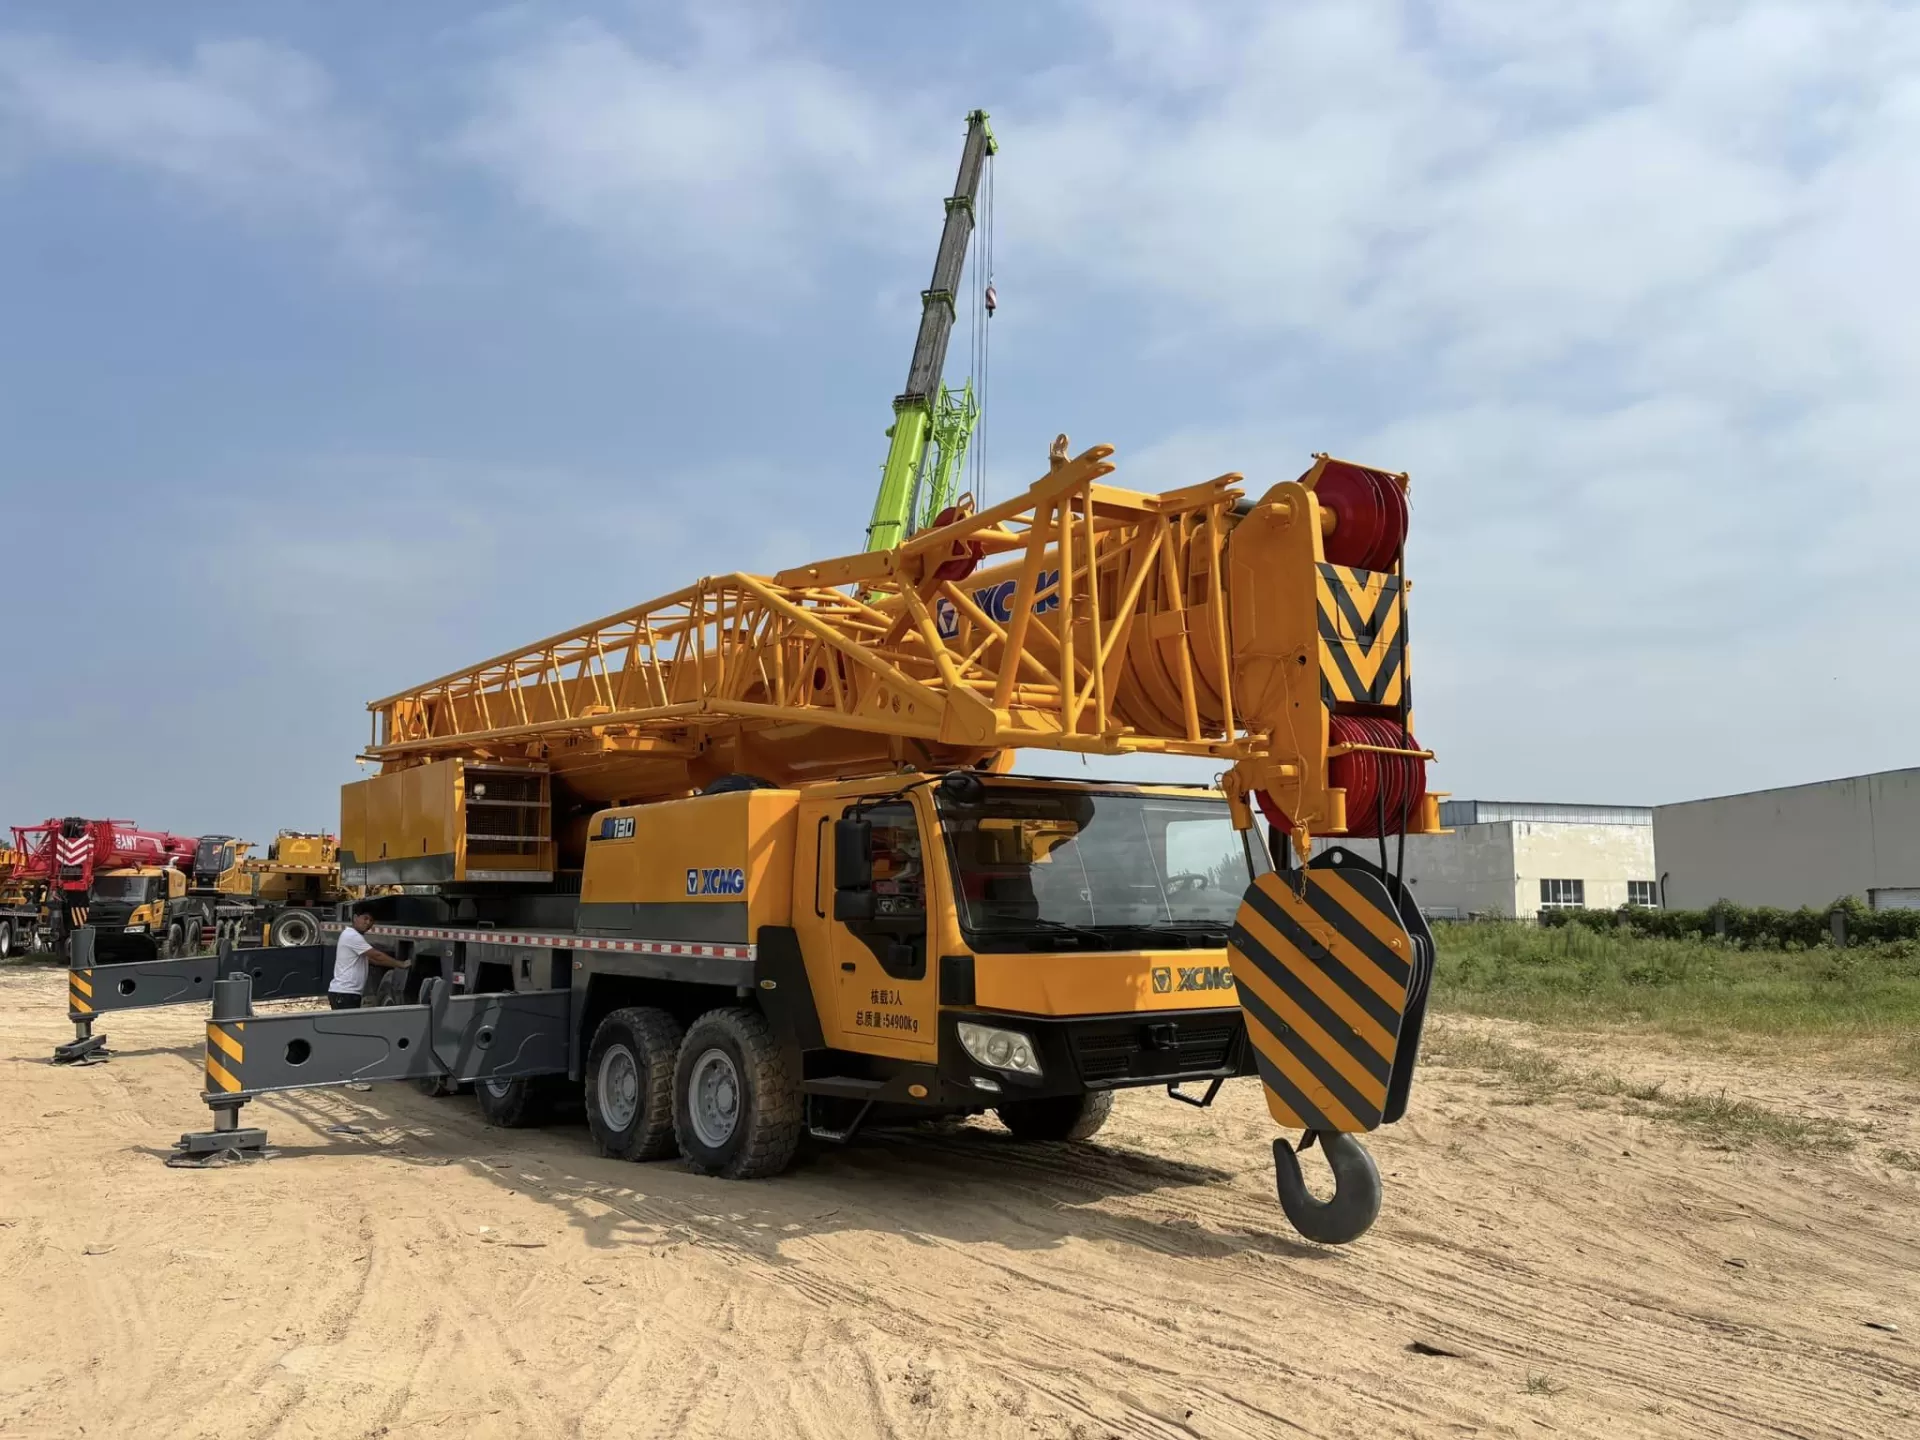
713, 1098
618, 1087
498, 1088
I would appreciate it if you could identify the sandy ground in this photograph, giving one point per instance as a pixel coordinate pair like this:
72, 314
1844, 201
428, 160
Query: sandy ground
400, 1269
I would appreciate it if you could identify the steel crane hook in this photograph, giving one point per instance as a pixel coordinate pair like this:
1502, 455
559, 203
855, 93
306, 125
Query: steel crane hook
1356, 1189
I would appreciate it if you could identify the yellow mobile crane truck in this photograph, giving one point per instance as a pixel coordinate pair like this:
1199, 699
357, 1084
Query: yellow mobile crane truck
747, 861
282, 896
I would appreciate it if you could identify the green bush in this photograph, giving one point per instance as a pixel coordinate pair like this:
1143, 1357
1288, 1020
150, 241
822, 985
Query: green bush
1751, 926
1575, 971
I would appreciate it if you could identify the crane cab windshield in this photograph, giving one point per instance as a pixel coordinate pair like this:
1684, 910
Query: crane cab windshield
1065, 869
131, 888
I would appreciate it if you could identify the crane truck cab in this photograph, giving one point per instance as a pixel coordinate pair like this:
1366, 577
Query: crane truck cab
142, 912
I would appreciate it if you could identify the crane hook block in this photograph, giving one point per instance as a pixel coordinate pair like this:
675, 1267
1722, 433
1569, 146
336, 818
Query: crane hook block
1356, 1190
1331, 965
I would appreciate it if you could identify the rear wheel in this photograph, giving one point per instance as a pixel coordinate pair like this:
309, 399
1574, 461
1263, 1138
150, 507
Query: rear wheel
190, 936
295, 927
737, 1108
517, 1104
6, 938
1058, 1117
629, 1084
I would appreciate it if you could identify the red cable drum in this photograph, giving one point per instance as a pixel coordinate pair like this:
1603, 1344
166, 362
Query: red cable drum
1370, 515
1383, 791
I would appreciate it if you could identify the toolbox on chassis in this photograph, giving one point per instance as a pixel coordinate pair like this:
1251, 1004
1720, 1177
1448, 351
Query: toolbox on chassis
740, 966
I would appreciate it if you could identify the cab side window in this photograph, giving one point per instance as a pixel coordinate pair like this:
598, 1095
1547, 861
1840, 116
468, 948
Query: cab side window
897, 933
899, 869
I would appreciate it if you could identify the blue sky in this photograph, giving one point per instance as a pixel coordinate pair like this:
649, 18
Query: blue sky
346, 344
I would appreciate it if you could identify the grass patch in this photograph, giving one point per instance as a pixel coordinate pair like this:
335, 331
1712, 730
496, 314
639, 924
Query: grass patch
1574, 975
1901, 1159
1718, 1119
1542, 1384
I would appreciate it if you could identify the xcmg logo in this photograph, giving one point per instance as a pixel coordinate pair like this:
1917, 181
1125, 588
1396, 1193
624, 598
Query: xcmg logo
997, 602
1167, 978
717, 882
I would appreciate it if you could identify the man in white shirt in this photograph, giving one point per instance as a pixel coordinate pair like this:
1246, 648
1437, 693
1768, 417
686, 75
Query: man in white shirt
350, 960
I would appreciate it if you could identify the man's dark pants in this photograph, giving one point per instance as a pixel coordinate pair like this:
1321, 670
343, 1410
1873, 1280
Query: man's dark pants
342, 1002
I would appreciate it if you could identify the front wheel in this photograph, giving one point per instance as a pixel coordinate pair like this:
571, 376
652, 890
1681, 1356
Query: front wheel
1058, 1117
737, 1108
6, 939
174, 945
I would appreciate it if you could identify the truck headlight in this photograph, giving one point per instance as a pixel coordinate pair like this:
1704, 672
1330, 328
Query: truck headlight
999, 1049
136, 929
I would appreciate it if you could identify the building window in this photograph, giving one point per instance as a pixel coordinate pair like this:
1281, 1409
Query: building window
1643, 893
1563, 894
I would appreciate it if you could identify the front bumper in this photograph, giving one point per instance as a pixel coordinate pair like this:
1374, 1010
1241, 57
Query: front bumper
1103, 1052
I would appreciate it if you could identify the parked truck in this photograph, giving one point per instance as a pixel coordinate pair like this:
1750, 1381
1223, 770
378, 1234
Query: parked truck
68, 856
23, 905
282, 895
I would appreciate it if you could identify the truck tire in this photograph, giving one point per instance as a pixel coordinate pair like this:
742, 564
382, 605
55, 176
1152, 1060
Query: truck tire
517, 1104
629, 1084
6, 939
172, 947
294, 928
737, 1109
190, 935
1058, 1117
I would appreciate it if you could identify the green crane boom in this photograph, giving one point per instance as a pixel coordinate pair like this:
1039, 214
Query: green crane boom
926, 410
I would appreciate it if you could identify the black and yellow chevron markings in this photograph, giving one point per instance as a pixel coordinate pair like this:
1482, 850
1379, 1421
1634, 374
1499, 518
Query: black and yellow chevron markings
226, 1052
1361, 645
80, 992
1323, 975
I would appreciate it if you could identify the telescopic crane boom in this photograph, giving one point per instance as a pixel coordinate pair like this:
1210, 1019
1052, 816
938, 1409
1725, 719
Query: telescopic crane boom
925, 409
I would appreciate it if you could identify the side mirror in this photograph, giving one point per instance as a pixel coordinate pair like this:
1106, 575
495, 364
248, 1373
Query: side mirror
853, 869
853, 853
963, 788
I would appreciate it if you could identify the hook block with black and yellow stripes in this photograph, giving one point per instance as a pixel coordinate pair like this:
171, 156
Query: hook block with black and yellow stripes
1332, 965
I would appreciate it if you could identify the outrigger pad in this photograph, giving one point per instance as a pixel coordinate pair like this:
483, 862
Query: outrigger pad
90, 1051
1333, 983
203, 1149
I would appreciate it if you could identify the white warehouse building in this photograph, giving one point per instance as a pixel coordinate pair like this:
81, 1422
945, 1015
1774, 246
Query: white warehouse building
1800, 845
1514, 859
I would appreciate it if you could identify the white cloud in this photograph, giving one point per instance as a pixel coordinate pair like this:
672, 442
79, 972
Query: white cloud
250, 126
1629, 289
727, 163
